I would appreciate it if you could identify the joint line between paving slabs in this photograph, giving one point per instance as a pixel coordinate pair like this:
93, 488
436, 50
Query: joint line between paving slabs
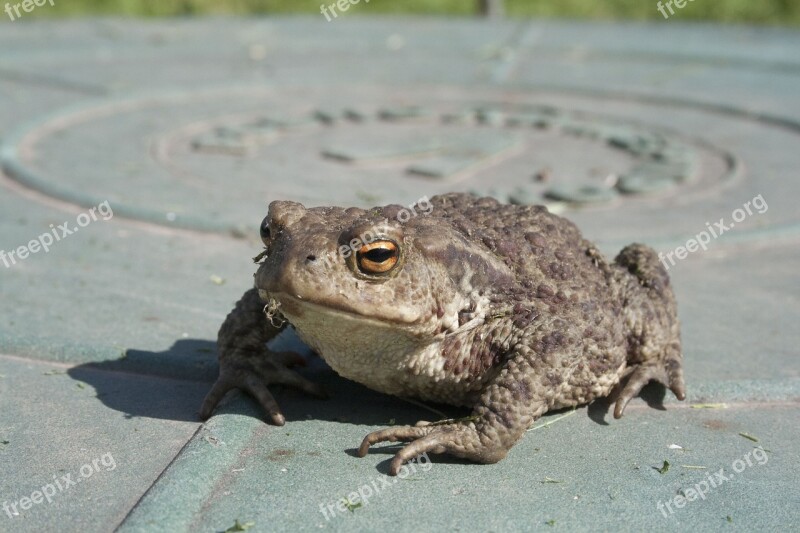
159, 478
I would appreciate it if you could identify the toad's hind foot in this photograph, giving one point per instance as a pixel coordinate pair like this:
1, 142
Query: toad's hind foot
455, 437
668, 372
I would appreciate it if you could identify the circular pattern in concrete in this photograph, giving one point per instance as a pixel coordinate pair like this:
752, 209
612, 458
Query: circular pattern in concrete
243, 147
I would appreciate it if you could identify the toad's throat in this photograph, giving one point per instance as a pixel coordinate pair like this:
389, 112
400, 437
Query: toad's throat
372, 351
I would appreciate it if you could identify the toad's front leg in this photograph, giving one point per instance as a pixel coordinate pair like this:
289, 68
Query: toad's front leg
509, 404
245, 362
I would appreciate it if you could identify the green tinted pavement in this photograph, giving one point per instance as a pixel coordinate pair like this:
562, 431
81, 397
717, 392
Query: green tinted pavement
187, 129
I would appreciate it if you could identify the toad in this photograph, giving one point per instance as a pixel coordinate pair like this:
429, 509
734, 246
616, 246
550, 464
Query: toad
505, 309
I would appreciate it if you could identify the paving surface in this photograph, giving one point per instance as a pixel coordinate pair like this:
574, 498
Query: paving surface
185, 130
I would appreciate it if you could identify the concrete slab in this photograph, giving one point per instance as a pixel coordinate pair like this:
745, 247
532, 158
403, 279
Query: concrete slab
582, 472
69, 461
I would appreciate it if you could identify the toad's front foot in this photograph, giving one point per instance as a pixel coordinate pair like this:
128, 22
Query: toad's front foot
458, 438
252, 373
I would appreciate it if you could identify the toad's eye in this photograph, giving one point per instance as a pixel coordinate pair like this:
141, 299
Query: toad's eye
265, 233
377, 257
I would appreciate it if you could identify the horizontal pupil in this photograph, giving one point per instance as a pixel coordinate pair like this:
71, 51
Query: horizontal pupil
379, 255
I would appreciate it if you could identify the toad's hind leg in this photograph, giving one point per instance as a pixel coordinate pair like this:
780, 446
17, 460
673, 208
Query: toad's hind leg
654, 345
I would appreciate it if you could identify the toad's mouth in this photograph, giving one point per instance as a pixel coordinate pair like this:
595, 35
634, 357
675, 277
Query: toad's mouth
295, 309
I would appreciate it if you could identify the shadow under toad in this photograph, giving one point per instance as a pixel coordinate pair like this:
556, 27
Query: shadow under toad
171, 385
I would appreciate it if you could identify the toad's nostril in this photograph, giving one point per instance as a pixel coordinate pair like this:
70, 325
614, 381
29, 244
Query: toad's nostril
311, 257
